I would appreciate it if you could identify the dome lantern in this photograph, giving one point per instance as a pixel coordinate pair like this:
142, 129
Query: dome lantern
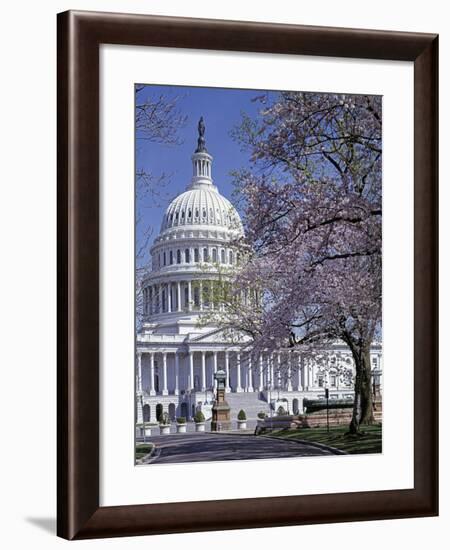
201, 161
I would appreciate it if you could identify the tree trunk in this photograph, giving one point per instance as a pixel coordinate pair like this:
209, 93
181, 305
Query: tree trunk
362, 407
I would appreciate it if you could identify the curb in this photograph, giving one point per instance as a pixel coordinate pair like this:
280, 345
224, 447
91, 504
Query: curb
147, 458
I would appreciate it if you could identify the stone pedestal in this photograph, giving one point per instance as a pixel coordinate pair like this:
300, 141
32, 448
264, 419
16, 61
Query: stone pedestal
220, 410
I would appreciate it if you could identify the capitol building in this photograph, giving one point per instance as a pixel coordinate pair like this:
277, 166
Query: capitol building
177, 355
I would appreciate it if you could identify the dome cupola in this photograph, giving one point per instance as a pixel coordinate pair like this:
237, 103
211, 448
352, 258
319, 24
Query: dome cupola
201, 204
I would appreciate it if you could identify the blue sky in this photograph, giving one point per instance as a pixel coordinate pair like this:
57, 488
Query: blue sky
221, 110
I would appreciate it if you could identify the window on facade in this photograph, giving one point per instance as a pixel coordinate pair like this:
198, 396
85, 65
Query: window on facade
374, 360
196, 212
205, 255
182, 213
333, 380
171, 257
320, 381
231, 256
189, 213
196, 255
176, 216
186, 256
204, 212
186, 296
164, 258
214, 255
178, 257
222, 256
163, 299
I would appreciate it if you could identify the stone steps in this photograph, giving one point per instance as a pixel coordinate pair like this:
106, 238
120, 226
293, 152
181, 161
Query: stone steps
249, 402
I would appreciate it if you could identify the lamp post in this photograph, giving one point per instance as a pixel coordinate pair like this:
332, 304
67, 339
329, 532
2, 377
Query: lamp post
221, 409
143, 420
327, 395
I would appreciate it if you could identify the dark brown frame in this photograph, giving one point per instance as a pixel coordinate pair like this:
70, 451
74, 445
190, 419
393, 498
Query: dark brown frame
79, 37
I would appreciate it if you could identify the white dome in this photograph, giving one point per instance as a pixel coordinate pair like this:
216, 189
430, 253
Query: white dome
201, 205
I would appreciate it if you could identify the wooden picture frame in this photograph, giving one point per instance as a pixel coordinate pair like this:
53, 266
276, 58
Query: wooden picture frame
79, 36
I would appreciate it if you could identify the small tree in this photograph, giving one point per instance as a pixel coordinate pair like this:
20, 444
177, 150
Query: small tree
241, 415
164, 419
199, 417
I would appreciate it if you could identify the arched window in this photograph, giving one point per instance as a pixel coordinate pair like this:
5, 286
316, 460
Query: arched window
186, 256
214, 255
176, 216
196, 212
182, 213
196, 258
222, 256
231, 256
204, 212
164, 258
171, 257
205, 255
189, 213
146, 413
178, 256
163, 308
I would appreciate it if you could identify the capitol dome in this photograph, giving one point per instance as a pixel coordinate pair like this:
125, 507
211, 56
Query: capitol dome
201, 205
196, 246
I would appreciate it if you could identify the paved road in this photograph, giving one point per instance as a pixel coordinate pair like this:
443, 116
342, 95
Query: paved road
197, 447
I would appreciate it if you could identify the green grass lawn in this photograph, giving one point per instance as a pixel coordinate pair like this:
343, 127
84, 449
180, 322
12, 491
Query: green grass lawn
143, 449
338, 437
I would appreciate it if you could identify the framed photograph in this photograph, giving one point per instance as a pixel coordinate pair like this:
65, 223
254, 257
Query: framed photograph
247, 275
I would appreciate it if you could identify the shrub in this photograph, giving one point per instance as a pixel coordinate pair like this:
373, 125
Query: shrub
241, 415
281, 411
262, 415
181, 420
199, 417
164, 419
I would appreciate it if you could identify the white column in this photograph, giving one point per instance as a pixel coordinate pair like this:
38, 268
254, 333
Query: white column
191, 372
289, 372
189, 307
271, 372
152, 374
164, 389
177, 373
169, 297
238, 371
227, 370
179, 296
279, 370
313, 376
214, 369
250, 373
203, 381
139, 372
299, 372
260, 381
200, 292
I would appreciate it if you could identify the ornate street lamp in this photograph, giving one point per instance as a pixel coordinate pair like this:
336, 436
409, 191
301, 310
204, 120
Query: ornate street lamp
221, 409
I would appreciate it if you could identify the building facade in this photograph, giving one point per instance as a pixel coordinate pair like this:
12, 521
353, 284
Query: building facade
177, 355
